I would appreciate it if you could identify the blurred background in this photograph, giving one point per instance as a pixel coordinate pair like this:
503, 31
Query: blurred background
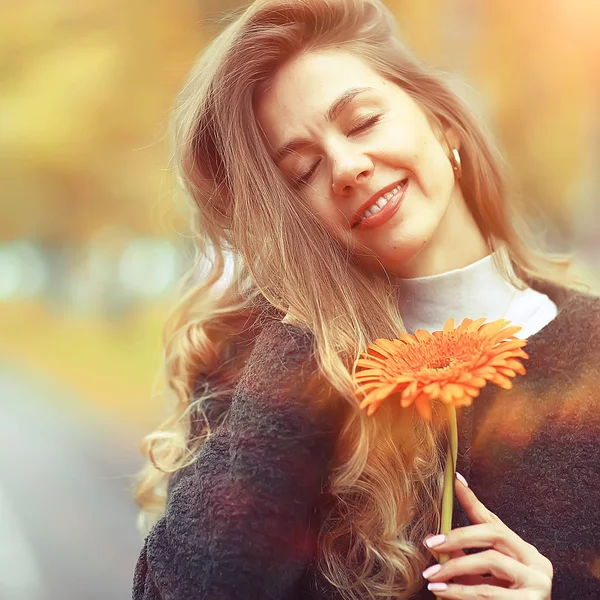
93, 240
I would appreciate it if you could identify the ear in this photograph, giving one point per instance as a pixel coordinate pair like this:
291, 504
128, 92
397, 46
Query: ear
453, 138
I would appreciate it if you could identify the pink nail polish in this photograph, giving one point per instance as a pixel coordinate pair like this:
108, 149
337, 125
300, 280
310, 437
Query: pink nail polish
436, 540
427, 573
461, 479
438, 586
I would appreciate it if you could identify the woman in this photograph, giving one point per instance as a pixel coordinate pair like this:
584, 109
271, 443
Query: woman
358, 198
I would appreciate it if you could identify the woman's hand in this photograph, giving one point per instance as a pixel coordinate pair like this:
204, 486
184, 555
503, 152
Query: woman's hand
514, 568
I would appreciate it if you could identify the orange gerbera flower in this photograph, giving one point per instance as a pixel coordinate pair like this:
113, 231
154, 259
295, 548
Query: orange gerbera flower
451, 365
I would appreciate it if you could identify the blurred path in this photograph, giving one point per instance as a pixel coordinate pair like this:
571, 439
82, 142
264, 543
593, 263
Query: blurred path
67, 520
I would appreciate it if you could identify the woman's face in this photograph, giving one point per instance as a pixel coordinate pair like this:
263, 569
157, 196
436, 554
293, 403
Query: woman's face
367, 160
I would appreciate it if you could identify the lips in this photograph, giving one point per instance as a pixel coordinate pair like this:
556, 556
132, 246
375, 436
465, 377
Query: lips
376, 203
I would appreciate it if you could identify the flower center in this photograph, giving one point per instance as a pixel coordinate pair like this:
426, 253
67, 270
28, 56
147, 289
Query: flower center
441, 363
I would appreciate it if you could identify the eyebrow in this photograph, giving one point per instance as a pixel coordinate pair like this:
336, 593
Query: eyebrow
332, 114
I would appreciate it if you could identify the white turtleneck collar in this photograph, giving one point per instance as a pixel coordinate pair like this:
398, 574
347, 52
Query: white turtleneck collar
475, 291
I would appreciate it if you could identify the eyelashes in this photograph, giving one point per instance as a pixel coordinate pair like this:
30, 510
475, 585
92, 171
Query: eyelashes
364, 125
302, 179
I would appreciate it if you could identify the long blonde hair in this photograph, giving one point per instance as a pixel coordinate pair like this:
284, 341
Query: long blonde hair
386, 479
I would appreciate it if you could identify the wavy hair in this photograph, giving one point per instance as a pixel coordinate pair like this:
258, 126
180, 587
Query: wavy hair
387, 476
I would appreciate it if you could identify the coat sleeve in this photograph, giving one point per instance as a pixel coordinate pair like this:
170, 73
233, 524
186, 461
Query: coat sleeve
240, 523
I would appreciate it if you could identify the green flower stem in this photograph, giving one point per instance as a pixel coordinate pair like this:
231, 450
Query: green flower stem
449, 474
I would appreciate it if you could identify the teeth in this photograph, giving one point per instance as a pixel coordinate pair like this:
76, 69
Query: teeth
382, 201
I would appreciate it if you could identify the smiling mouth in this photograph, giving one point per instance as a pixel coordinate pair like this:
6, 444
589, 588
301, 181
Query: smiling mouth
380, 203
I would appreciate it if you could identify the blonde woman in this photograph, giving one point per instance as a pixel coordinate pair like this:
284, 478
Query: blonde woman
358, 198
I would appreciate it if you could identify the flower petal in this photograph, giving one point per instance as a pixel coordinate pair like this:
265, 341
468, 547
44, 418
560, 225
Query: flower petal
423, 335
464, 401
370, 363
506, 372
451, 366
445, 395
373, 407
510, 344
432, 390
474, 326
454, 390
502, 381
410, 390
370, 372
464, 324
408, 339
423, 406
471, 379
385, 391
449, 325
366, 388
382, 344
515, 365
497, 361
489, 330
378, 350
485, 372
472, 391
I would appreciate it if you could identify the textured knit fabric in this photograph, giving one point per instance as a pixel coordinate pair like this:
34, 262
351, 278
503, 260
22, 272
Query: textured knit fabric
241, 522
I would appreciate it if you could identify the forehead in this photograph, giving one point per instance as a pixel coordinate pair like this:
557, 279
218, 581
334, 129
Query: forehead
305, 87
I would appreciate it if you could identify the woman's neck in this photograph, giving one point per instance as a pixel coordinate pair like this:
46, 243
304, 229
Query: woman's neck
456, 242
474, 291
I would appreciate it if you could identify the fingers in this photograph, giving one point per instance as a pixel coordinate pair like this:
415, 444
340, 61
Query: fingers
488, 535
469, 579
499, 565
507, 565
495, 533
436, 555
456, 591
472, 536
475, 510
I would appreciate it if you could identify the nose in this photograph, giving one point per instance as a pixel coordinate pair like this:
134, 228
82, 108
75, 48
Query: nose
351, 168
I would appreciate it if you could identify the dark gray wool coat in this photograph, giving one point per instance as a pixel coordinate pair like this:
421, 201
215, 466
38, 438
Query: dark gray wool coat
241, 523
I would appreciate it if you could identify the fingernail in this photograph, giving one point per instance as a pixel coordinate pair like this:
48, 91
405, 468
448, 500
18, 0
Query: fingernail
438, 586
461, 479
427, 573
436, 540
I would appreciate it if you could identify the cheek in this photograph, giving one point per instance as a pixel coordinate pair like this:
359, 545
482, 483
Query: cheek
446, 173
324, 209
434, 169
334, 222
416, 150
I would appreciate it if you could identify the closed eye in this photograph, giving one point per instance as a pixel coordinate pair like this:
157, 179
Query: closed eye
366, 124
304, 178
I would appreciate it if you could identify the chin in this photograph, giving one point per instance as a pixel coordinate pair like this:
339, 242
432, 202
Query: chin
400, 254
